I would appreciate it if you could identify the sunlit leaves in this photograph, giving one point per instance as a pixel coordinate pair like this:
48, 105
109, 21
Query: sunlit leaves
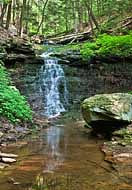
13, 106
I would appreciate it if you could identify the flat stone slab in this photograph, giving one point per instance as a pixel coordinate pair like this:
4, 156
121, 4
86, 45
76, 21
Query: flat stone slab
8, 160
8, 155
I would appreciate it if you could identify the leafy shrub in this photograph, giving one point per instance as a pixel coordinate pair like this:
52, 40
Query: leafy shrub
13, 105
114, 45
4, 78
88, 50
106, 45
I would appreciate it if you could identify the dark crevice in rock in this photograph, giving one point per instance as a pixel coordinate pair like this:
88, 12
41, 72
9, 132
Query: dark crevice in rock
106, 128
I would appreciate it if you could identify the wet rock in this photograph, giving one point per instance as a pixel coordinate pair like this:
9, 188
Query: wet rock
60, 125
22, 58
8, 160
8, 155
3, 145
125, 155
12, 180
108, 109
41, 122
70, 57
16, 183
116, 153
20, 48
123, 136
3, 165
1, 134
2, 55
11, 137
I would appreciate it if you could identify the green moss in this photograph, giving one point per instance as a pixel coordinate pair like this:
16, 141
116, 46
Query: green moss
56, 48
123, 132
13, 105
96, 101
124, 136
88, 50
104, 46
114, 45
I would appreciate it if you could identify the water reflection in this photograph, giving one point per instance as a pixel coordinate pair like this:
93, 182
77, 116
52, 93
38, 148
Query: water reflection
52, 149
76, 152
56, 182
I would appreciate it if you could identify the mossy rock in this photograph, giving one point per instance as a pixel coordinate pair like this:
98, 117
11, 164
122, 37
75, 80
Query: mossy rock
108, 108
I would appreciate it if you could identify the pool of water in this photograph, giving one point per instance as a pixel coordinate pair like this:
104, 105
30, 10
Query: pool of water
61, 157
64, 156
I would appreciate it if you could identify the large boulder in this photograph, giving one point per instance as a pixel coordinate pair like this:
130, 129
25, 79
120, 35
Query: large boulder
108, 109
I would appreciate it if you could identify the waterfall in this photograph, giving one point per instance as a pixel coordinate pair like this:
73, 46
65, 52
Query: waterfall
53, 87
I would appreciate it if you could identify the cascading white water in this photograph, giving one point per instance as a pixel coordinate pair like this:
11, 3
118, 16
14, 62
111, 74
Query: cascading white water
53, 86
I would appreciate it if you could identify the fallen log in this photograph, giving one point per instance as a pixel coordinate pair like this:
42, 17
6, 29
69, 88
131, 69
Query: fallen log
127, 23
70, 38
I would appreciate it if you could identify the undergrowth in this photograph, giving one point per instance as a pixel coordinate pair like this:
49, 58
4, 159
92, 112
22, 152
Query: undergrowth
106, 45
114, 45
13, 105
103, 46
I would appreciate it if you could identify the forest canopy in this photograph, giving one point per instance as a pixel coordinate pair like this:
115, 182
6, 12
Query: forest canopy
51, 17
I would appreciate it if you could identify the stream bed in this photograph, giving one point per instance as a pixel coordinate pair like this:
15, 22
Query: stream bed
64, 156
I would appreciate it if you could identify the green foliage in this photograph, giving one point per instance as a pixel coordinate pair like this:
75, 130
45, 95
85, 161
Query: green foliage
64, 16
130, 92
106, 45
13, 106
57, 48
124, 136
4, 1
114, 45
4, 78
88, 50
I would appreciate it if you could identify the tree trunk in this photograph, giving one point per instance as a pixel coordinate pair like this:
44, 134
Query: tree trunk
80, 12
8, 15
13, 11
91, 23
27, 15
74, 15
3, 11
23, 8
66, 15
17, 17
42, 19
91, 14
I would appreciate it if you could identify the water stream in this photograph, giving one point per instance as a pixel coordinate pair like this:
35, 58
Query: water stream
64, 156
53, 87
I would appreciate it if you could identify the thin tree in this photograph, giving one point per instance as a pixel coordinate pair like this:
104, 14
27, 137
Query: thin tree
8, 15
3, 11
23, 8
42, 19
